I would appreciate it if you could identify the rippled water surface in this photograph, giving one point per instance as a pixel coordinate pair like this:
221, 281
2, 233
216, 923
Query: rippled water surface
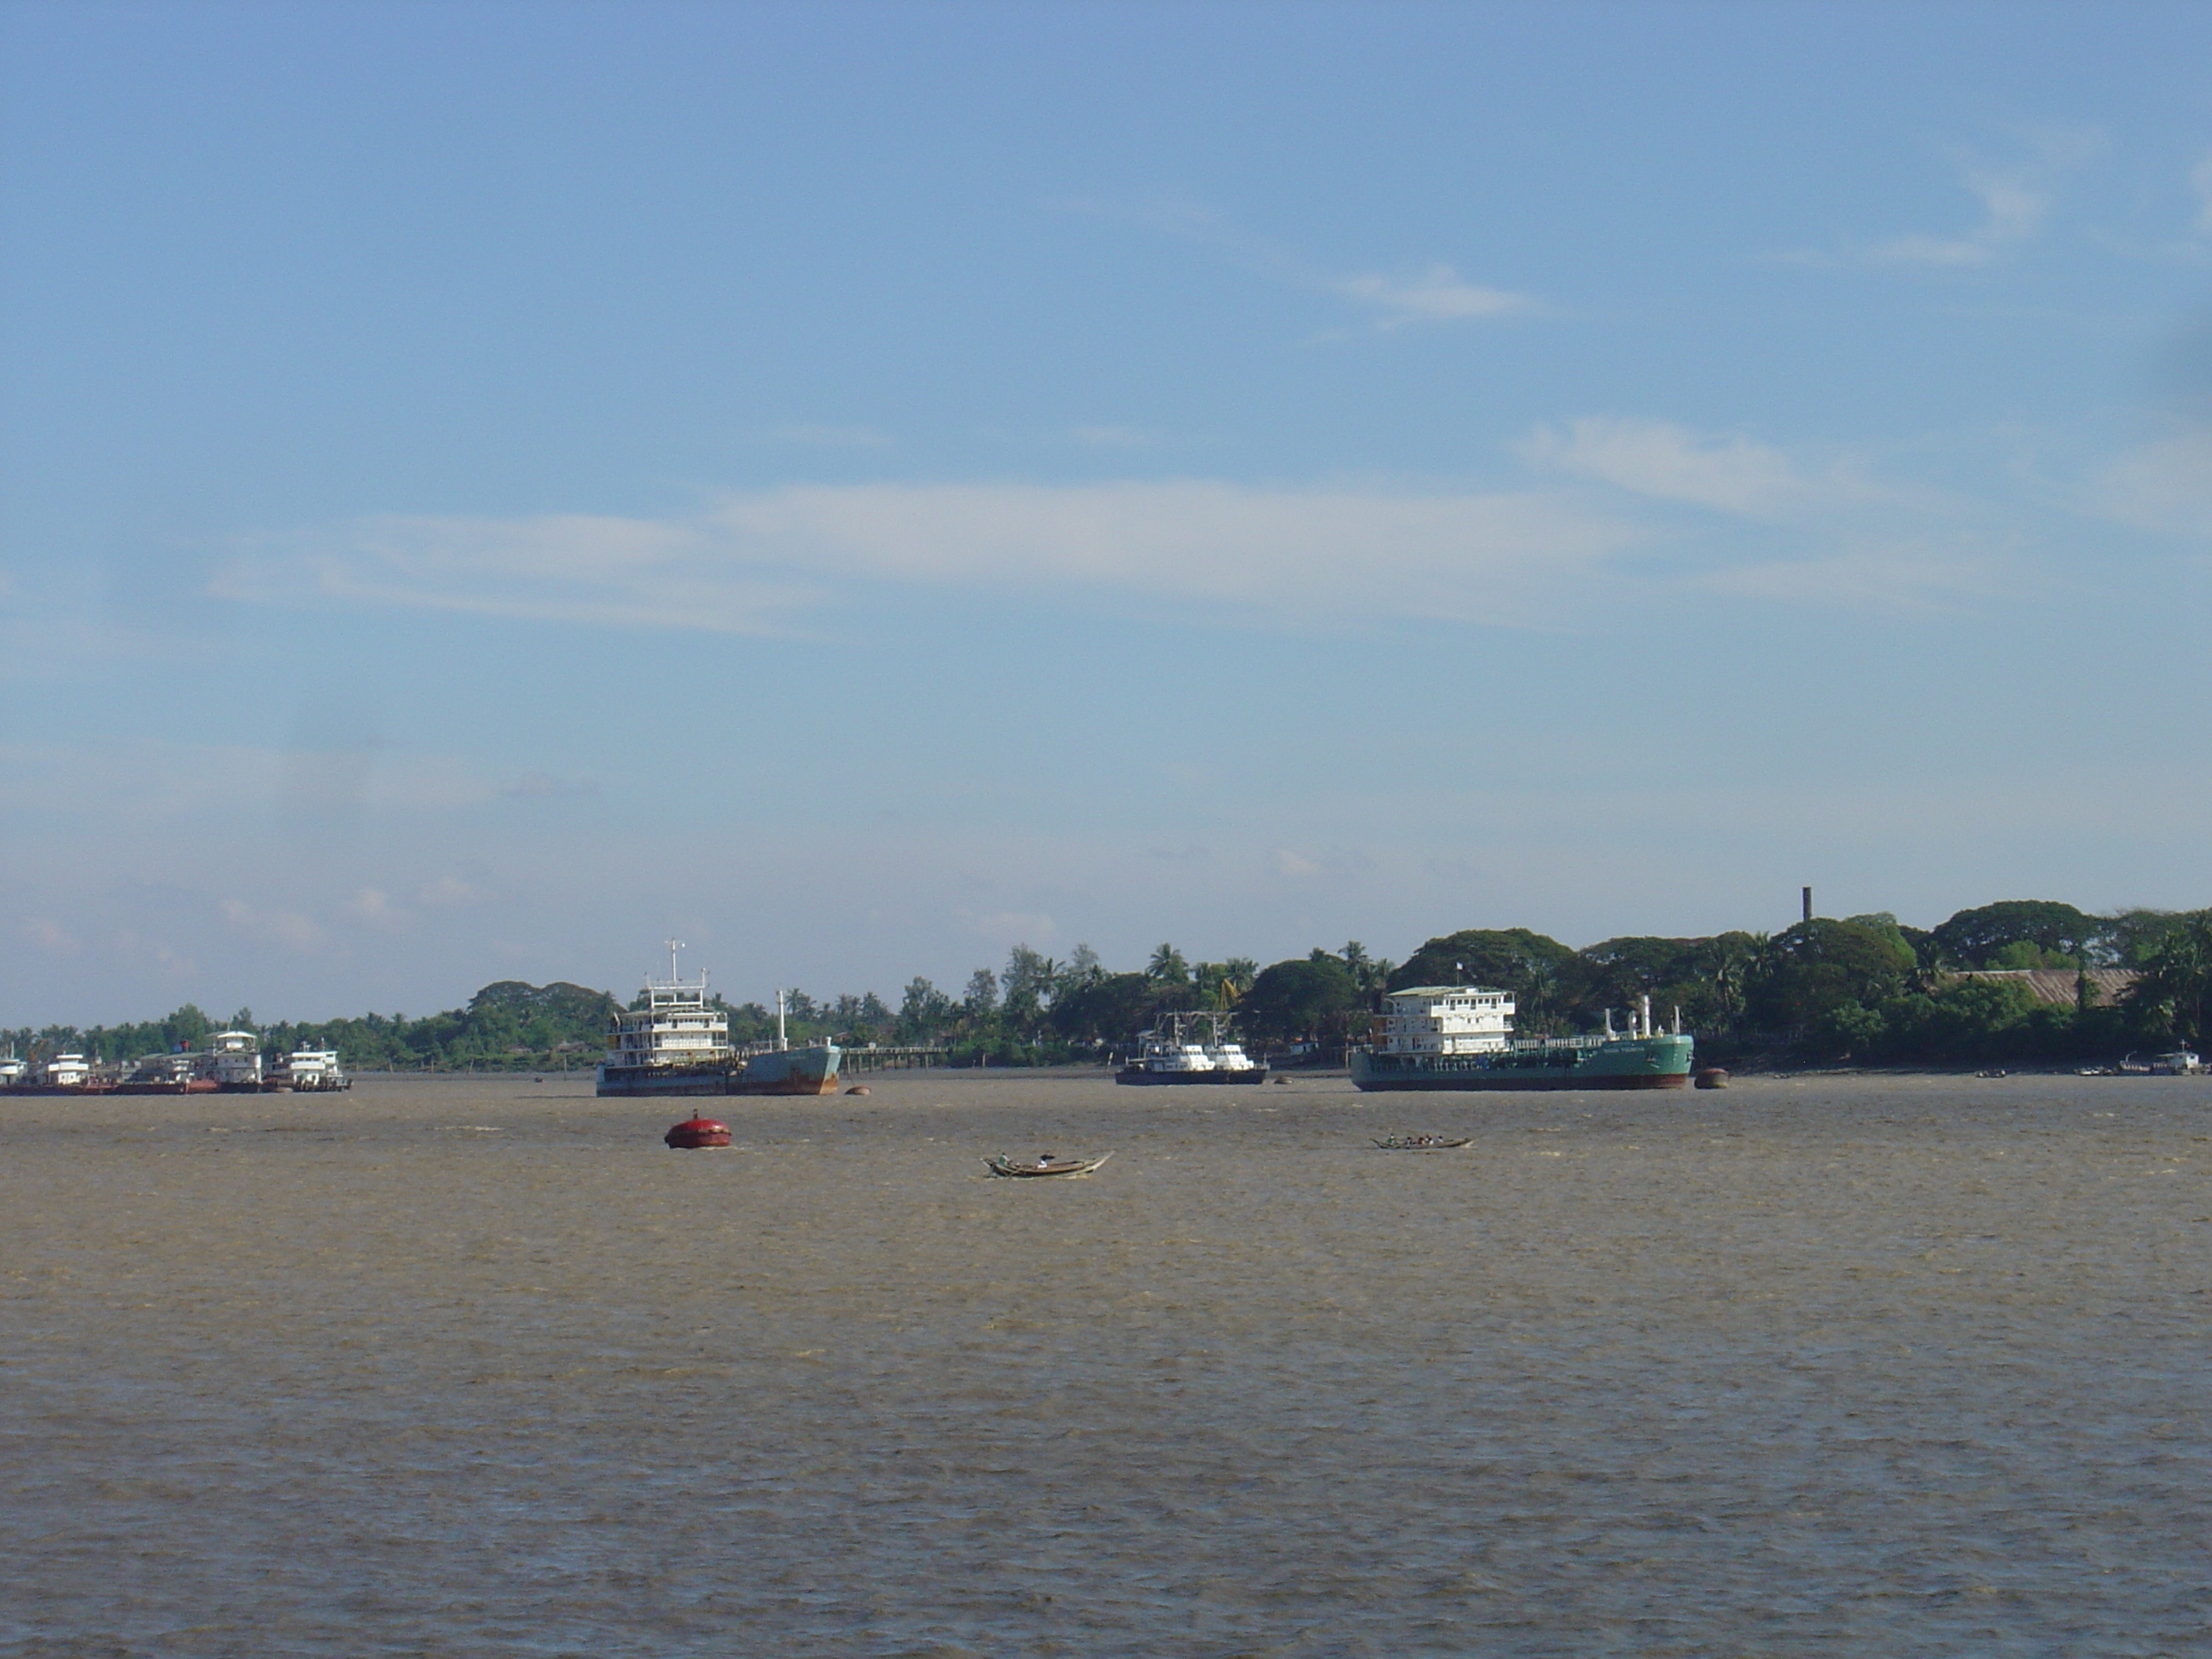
1831, 1365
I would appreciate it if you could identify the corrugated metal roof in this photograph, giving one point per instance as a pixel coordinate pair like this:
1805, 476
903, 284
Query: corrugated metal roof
2055, 986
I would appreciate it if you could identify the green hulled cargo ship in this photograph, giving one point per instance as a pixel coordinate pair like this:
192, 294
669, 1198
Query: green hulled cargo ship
1460, 1036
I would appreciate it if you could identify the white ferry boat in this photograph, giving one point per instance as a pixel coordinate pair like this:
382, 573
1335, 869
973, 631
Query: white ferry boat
1190, 1047
678, 1043
12, 1071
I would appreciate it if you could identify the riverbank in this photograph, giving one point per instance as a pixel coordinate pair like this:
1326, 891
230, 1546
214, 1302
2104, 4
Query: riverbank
1822, 1363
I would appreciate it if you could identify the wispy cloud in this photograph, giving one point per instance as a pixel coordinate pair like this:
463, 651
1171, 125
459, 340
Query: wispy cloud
1902, 578
2013, 209
1324, 558
2015, 196
1436, 294
1658, 458
288, 928
1223, 550
559, 568
1439, 294
754, 561
2165, 487
50, 935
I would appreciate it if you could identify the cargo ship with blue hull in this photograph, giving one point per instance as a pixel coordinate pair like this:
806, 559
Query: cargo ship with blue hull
677, 1043
1461, 1036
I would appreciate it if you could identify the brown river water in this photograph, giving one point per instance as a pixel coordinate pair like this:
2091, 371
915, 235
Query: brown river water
1827, 1365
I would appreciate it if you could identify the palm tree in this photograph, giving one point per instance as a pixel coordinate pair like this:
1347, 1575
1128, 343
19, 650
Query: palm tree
2176, 979
1168, 967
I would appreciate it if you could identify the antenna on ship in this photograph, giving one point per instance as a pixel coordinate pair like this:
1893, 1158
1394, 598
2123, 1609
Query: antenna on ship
674, 945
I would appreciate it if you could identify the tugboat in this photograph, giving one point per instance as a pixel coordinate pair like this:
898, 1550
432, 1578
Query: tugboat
1190, 1047
308, 1072
678, 1043
1461, 1036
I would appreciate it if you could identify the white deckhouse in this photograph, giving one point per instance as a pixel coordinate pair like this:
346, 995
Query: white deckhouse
1444, 1019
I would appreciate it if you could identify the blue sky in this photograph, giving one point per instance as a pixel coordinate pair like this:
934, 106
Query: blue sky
858, 487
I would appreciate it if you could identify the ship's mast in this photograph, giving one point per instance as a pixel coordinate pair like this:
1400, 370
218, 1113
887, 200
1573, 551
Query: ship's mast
674, 945
782, 1041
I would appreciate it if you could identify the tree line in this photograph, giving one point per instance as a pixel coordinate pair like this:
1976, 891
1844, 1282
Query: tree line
1862, 989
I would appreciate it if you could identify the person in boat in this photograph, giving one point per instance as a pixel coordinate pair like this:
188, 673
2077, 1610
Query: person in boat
1044, 1160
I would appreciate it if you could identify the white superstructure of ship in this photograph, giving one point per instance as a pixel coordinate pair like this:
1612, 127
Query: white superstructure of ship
678, 1043
1190, 1045
1461, 1036
66, 1072
233, 1061
312, 1071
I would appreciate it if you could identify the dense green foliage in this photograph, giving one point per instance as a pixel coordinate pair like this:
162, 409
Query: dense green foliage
1861, 990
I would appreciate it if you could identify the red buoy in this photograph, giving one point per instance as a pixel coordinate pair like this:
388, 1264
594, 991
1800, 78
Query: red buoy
695, 1133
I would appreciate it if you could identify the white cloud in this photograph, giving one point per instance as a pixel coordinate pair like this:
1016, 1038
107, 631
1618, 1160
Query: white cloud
1439, 294
2016, 199
561, 568
1659, 459
373, 906
1218, 550
1290, 863
2013, 209
51, 936
132, 946
1898, 579
286, 928
2165, 487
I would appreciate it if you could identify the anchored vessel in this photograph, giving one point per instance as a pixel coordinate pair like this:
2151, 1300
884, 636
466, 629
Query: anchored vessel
678, 1043
234, 1062
1190, 1048
57, 1074
309, 1072
1459, 1036
169, 1074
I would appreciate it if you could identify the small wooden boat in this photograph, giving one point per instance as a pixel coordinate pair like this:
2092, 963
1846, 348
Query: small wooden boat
1419, 1143
1044, 1164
